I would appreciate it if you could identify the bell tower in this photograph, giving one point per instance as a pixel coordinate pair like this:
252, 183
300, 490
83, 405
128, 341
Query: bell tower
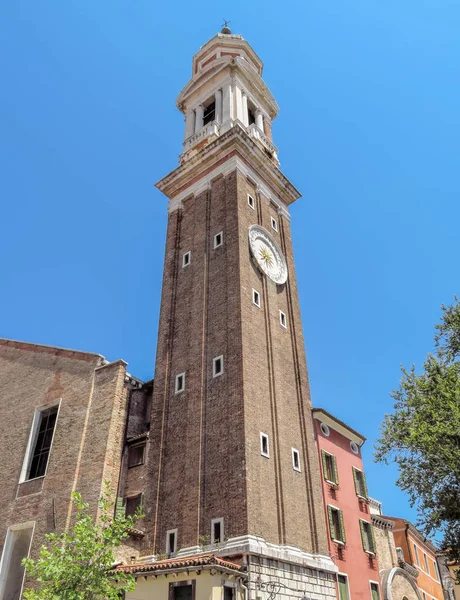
233, 466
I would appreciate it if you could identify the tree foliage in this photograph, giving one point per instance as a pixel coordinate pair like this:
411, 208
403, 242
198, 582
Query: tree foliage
422, 436
77, 564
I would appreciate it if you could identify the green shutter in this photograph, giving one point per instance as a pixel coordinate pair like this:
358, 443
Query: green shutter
331, 522
355, 479
371, 529
336, 472
343, 537
363, 535
366, 493
375, 591
119, 508
324, 463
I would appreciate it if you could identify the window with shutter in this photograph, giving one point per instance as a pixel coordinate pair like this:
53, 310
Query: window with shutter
375, 591
360, 483
336, 524
342, 582
367, 536
330, 471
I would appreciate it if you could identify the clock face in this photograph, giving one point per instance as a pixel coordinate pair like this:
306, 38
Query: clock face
267, 254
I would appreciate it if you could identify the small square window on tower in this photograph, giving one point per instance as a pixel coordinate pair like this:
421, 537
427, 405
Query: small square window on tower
251, 201
217, 366
264, 447
283, 320
256, 298
180, 383
295, 459
217, 531
274, 224
171, 542
218, 239
186, 259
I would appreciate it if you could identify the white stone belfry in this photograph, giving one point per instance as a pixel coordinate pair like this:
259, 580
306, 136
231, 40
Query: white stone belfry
226, 90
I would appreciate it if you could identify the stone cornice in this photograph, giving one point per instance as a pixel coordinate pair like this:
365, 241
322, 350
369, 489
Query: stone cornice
381, 523
234, 142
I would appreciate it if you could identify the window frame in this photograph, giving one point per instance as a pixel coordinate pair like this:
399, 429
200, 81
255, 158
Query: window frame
274, 223
214, 522
176, 387
283, 319
362, 526
142, 444
335, 472
348, 585
416, 554
264, 436
186, 259
251, 202
33, 434
175, 584
229, 585
218, 245
133, 497
254, 292
7, 549
359, 483
324, 427
170, 552
215, 360
295, 452
376, 583
330, 510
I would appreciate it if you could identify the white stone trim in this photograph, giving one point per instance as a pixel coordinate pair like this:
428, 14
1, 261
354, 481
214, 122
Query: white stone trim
264, 436
170, 550
7, 549
177, 389
294, 453
348, 583
222, 535
232, 164
215, 360
371, 581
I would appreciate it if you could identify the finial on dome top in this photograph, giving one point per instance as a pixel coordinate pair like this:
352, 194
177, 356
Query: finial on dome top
225, 28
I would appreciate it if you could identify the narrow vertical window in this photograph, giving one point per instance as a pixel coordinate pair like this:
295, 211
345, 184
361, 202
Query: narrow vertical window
217, 366
330, 471
367, 536
360, 483
274, 224
171, 542
251, 202
256, 298
132, 504
295, 460
427, 569
342, 584
264, 447
375, 594
17, 547
416, 557
217, 531
229, 592
180, 383
39, 445
336, 524
218, 239
186, 259
283, 320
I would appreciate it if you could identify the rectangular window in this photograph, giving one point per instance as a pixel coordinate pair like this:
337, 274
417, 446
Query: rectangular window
251, 201
375, 593
209, 113
17, 547
218, 239
256, 298
180, 383
283, 319
424, 595
330, 471
186, 259
132, 504
416, 556
229, 593
360, 483
217, 366
182, 590
274, 224
336, 524
39, 445
427, 569
264, 448
295, 460
436, 571
171, 542
342, 583
136, 455
367, 536
217, 531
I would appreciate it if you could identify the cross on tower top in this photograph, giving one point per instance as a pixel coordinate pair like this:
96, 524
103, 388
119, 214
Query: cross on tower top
225, 28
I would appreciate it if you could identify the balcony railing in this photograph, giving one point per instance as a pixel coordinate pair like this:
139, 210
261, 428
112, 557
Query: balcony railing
266, 142
208, 130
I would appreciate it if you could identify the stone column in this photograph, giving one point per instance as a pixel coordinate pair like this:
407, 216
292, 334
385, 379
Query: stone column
189, 123
238, 104
199, 117
245, 118
227, 104
259, 120
218, 100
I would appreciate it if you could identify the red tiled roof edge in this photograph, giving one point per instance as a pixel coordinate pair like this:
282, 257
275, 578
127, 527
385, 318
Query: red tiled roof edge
178, 563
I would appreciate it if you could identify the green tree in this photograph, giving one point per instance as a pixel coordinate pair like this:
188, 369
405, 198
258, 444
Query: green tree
422, 436
77, 564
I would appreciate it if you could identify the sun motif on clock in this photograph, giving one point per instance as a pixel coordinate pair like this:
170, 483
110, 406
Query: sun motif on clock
267, 254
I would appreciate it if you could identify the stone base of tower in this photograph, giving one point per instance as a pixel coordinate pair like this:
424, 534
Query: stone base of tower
275, 571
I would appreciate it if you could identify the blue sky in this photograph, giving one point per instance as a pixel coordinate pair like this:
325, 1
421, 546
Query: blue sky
368, 131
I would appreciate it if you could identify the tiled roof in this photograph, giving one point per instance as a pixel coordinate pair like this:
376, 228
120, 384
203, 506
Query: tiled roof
201, 560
